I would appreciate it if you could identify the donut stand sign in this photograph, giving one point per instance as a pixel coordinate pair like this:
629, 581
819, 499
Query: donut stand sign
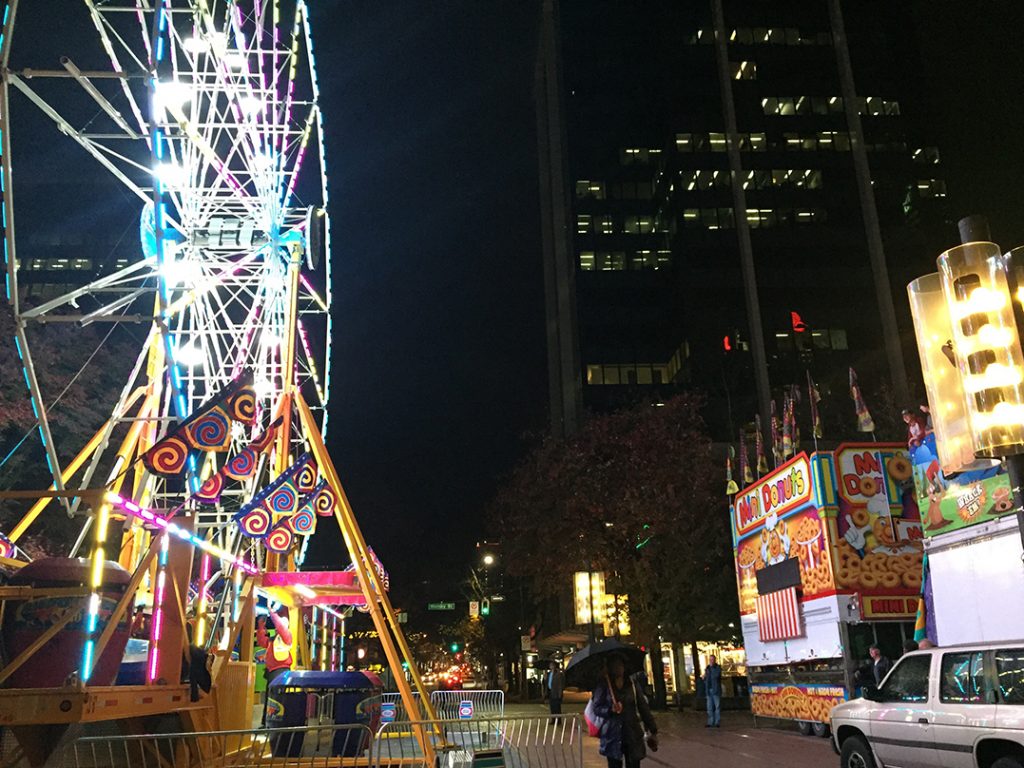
879, 544
776, 519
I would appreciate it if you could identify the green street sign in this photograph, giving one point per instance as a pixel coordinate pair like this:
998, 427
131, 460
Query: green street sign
440, 606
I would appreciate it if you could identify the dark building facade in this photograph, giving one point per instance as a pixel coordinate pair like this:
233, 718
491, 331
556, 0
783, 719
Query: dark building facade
653, 222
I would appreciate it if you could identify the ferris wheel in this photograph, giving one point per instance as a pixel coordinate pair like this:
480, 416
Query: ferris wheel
206, 114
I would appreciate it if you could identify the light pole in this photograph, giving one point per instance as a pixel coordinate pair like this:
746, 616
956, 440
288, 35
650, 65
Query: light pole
968, 319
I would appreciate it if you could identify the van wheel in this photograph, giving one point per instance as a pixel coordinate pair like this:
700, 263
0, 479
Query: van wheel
1007, 762
856, 754
821, 729
804, 727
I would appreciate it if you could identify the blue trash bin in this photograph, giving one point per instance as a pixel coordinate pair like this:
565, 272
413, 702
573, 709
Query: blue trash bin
286, 708
351, 691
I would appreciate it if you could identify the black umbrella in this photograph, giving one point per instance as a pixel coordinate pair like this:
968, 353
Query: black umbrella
588, 664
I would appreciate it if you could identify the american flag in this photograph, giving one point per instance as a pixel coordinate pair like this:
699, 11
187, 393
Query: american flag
778, 615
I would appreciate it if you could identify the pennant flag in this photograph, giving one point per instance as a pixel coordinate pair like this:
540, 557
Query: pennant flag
255, 523
747, 477
241, 466
776, 437
302, 522
208, 429
306, 479
730, 484
787, 432
762, 461
864, 421
814, 397
280, 538
281, 497
320, 501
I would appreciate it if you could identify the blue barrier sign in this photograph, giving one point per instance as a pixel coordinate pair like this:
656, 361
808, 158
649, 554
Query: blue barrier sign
388, 712
465, 710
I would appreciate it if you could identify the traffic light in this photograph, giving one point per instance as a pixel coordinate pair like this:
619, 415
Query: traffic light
455, 647
485, 607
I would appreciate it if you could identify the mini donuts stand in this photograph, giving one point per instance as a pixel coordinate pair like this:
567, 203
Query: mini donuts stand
828, 560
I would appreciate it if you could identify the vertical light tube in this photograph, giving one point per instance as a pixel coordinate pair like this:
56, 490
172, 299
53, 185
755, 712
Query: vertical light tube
946, 402
155, 630
976, 285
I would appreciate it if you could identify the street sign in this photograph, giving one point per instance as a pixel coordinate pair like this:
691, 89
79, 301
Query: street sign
440, 606
465, 710
388, 711
474, 609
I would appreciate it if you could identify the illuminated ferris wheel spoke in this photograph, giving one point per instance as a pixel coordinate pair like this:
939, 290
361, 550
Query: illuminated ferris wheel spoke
213, 116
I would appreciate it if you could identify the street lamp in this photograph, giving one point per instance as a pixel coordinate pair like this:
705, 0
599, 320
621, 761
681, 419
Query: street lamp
488, 560
976, 397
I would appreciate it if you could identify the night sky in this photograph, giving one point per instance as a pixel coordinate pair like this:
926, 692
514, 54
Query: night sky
439, 358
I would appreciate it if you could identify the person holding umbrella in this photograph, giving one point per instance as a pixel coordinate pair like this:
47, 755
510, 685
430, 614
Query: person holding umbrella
621, 703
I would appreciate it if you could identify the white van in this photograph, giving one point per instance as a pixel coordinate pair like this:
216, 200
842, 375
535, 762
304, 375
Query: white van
953, 707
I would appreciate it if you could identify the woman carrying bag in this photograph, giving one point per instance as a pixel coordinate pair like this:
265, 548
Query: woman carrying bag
620, 703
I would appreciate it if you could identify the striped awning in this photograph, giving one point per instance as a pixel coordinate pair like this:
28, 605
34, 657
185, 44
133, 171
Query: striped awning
778, 615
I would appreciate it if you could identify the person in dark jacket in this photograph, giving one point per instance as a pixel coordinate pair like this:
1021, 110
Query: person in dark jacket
880, 664
555, 683
713, 692
622, 704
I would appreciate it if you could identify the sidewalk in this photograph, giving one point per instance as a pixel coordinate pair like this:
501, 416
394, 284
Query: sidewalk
685, 742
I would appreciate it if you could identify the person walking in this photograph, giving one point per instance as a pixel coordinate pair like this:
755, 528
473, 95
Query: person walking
556, 687
623, 708
713, 692
880, 664
279, 650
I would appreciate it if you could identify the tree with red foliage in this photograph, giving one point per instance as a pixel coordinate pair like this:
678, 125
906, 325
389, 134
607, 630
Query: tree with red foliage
635, 494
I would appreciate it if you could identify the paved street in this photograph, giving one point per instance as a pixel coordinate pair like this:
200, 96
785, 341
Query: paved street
686, 742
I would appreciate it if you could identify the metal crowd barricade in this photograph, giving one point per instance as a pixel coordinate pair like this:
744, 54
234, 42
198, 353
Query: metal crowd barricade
502, 742
319, 746
399, 704
484, 703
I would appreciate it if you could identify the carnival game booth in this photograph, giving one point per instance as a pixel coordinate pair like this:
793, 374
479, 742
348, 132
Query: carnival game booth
828, 562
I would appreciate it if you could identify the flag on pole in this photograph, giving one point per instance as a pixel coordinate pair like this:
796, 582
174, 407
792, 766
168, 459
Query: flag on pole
794, 399
787, 430
730, 484
746, 475
864, 421
776, 437
814, 397
762, 461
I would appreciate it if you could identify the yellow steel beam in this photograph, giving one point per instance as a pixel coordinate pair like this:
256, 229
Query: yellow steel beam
373, 589
69, 471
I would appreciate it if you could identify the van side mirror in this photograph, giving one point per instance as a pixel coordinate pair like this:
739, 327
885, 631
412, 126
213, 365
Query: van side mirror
871, 693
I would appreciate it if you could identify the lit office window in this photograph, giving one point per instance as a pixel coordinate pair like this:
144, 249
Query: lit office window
718, 142
81, 263
684, 142
605, 225
584, 224
638, 225
664, 259
587, 261
743, 70
594, 374
931, 188
753, 142
926, 155
590, 189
